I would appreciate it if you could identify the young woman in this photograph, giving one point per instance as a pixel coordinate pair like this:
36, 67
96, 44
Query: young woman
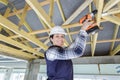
58, 59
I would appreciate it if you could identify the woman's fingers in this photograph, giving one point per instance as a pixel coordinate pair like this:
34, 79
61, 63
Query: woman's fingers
87, 23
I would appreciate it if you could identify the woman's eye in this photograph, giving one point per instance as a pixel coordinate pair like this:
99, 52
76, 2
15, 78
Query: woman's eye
62, 36
57, 36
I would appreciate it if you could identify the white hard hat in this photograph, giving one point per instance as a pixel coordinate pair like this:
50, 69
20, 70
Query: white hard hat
57, 30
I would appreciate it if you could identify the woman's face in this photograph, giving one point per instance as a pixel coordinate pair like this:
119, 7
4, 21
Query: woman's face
58, 39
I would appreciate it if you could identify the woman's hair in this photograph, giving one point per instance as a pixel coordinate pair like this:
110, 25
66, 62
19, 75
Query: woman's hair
51, 36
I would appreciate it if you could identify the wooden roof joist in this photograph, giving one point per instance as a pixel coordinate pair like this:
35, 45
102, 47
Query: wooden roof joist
110, 4
9, 25
112, 18
75, 14
47, 30
111, 11
99, 5
21, 10
40, 12
13, 52
17, 44
5, 2
116, 50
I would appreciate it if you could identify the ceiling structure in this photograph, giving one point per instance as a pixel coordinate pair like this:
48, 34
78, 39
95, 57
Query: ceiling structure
25, 25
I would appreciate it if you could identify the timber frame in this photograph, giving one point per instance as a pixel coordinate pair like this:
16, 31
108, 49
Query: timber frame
20, 38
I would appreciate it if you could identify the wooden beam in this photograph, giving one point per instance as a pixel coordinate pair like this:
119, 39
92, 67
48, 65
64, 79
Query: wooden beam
61, 10
7, 12
5, 2
51, 9
22, 17
22, 20
112, 18
6, 15
118, 5
1, 28
21, 10
6, 23
44, 25
116, 50
118, 15
105, 41
99, 41
63, 17
78, 11
111, 11
91, 36
98, 19
110, 4
114, 37
95, 3
17, 44
40, 12
47, 30
93, 45
14, 52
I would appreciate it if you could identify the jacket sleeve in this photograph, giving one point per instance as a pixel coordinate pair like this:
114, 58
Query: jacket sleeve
76, 49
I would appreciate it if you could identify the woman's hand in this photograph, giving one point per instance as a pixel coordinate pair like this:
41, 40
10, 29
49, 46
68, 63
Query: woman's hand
86, 24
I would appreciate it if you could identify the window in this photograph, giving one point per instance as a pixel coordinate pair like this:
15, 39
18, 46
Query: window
17, 76
2, 76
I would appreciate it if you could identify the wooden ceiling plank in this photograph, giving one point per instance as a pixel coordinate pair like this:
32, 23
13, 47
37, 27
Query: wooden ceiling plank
5, 2
115, 51
15, 52
110, 4
112, 18
6, 23
114, 37
17, 44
